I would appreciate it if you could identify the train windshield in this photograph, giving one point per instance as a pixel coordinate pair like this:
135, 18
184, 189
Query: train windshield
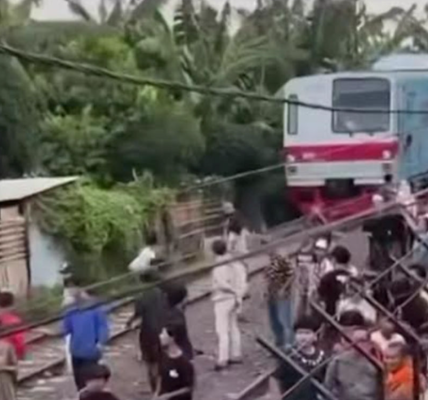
364, 94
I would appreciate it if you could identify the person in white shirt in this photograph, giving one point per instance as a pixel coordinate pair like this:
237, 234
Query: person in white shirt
237, 243
143, 262
386, 335
323, 262
229, 286
353, 301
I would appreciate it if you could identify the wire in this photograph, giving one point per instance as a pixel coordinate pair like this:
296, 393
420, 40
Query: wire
273, 167
300, 236
88, 69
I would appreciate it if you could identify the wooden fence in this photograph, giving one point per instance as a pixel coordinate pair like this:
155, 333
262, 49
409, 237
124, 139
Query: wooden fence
14, 256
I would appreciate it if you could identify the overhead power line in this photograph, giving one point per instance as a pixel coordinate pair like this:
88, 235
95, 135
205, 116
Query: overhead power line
88, 69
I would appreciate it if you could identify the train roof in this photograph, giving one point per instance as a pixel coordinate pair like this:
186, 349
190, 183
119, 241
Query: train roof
393, 66
327, 78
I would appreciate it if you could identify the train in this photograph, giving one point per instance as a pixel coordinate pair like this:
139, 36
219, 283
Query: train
370, 125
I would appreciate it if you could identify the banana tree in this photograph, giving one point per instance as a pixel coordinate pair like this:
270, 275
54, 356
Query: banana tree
343, 35
115, 12
18, 101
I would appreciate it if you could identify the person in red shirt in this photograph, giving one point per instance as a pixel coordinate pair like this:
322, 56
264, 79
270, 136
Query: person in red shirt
9, 319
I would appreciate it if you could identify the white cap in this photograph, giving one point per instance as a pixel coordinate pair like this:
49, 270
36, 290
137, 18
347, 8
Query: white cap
321, 244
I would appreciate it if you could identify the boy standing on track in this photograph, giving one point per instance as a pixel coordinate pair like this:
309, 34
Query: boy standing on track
228, 290
176, 294
87, 325
176, 372
151, 309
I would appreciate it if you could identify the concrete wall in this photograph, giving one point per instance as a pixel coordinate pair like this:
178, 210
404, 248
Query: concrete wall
46, 258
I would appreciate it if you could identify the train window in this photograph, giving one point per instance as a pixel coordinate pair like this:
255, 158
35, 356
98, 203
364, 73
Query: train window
364, 94
293, 115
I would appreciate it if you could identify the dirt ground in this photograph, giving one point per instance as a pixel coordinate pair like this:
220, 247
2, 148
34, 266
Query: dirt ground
129, 380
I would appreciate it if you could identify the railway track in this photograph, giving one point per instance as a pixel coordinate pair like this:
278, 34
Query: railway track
46, 356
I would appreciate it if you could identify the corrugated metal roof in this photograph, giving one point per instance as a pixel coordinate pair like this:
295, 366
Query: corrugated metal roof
19, 189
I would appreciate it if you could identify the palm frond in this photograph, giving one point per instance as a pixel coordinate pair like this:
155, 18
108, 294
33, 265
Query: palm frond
22, 11
144, 8
375, 24
79, 10
102, 11
116, 14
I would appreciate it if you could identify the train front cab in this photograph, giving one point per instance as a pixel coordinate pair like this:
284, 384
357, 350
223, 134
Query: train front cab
337, 160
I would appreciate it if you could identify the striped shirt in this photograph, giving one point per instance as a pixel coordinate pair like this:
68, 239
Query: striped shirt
279, 276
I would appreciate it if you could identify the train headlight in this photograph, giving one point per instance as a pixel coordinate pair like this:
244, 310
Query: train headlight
291, 158
386, 155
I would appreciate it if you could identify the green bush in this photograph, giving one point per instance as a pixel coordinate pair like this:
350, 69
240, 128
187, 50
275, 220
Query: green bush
101, 229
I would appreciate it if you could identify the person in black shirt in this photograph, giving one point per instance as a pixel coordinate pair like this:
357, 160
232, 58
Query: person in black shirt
176, 372
176, 294
307, 355
96, 382
151, 308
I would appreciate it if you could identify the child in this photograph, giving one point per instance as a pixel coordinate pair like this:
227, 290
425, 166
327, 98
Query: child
9, 319
97, 378
150, 308
87, 326
307, 355
144, 261
176, 372
8, 371
176, 295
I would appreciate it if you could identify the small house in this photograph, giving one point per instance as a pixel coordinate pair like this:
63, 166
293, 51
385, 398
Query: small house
27, 256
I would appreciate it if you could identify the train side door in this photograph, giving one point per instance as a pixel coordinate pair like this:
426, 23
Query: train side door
413, 128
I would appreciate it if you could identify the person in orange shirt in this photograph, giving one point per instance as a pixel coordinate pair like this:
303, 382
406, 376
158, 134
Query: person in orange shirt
399, 368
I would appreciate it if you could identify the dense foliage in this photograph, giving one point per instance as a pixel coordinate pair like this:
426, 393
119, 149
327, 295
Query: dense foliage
102, 228
56, 122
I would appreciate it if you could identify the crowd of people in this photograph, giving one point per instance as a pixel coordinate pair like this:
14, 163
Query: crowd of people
326, 275
382, 366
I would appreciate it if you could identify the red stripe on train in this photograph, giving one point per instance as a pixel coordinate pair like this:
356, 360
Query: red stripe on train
343, 152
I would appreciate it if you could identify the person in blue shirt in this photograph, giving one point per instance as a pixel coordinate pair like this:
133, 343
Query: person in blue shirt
86, 323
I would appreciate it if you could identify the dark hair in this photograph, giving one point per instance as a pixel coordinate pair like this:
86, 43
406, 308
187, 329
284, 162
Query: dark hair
175, 293
306, 322
219, 247
149, 276
98, 371
7, 299
235, 226
352, 318
420, 270
72, 281
151, 239
341, 255
175, 330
